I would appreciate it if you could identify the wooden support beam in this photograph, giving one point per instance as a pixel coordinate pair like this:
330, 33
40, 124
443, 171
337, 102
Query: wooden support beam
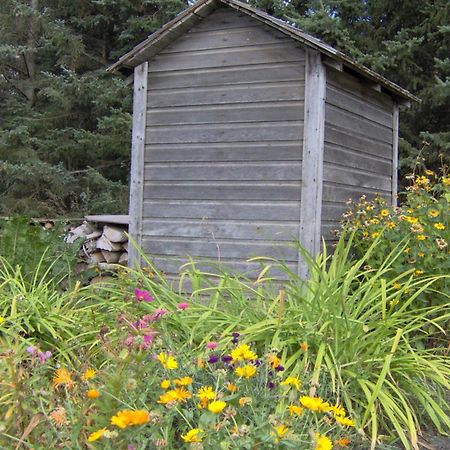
137, 160
395, 127
330, 62
312, 163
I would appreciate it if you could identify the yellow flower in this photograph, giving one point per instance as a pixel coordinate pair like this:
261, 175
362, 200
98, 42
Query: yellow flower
422, 181
397, 286
165, 384
96, 435
206, 392
384, 213
369, 207
429, 172
433, 212
337, 410
217, 406
280, 432
407, 250
231, 387
418, 272
127, 417
167, 361
63, 377
291, 381
194, 435
439, 226
345, 421
88, 374
185, 381
421, 237
2, 319
304, 346
374, 235
93, 394
245, 401
323, 442
374, 221
175, 395
421, 254
295, 410
416, 228
391, 225
201, 363
365, 233
243, 353
446, 181
410, 219
246, 371
274, 361
314, 404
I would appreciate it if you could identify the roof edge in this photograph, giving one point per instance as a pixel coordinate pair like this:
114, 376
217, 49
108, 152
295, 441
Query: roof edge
203, 8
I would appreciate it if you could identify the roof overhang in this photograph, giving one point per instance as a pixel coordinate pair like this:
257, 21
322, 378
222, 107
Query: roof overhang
161, 38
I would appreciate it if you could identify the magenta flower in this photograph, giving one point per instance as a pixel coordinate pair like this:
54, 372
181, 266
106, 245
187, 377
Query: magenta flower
183, 306
212, 345
142, 296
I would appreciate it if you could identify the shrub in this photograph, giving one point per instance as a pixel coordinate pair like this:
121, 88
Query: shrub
421, 225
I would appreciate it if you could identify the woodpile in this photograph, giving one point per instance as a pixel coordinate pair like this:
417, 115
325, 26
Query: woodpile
104, 245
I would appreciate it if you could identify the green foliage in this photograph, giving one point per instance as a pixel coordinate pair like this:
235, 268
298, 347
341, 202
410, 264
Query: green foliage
421, 226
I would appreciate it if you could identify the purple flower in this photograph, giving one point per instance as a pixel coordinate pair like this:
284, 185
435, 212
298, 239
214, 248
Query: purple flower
235, 337
142, 296
31, 349
279, 368
44, 356
213, 359
270, 384
227, 359
257, 362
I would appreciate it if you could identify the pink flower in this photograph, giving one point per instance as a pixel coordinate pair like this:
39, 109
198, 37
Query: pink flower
31, 349
142, 296
183, 306
129, 341
212, 345
148, 339
156, 315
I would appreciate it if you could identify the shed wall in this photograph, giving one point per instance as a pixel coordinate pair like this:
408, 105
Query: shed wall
224, 144
358, 146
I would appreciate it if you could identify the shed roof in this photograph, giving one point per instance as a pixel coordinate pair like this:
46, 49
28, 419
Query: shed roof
158, 40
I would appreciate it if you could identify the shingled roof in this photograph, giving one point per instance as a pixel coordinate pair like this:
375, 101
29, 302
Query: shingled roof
184, 21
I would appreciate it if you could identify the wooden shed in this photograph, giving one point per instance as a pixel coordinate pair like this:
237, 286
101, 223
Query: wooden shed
248, 134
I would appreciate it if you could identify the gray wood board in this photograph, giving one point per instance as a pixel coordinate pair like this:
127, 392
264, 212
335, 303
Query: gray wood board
354, 159
217, 248
236, 56
222, 209
219, 76
222, 191
348, 138
338, 193
355, 177
357, 124
221, 152
221, 229
243, 93
242, 171
242, 113
237, 132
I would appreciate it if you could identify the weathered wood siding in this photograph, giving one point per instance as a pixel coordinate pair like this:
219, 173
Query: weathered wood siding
224, 144
358, 145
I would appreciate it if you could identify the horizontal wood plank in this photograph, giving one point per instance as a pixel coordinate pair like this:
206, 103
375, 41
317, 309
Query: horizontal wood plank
244, 93
221, 76
221, 229
357, 124
222, 191
229, 151
338, 193
217, 248
222, 209
236, 56
249, 112
253, 132
269, 171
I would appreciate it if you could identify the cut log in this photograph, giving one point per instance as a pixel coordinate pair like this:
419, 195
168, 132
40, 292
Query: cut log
125, 246
83, 230
103, 243
123, 260
94, 235
105, 267
90, 246
111, 257
95, 258
114, 234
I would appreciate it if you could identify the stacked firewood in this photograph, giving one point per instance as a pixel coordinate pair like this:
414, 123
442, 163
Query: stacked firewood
102, 246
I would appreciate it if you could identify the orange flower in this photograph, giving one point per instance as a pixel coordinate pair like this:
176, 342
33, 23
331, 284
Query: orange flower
93, 394
63, 377
59, 417
304, 346
88, 374
343, 442
127, 417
